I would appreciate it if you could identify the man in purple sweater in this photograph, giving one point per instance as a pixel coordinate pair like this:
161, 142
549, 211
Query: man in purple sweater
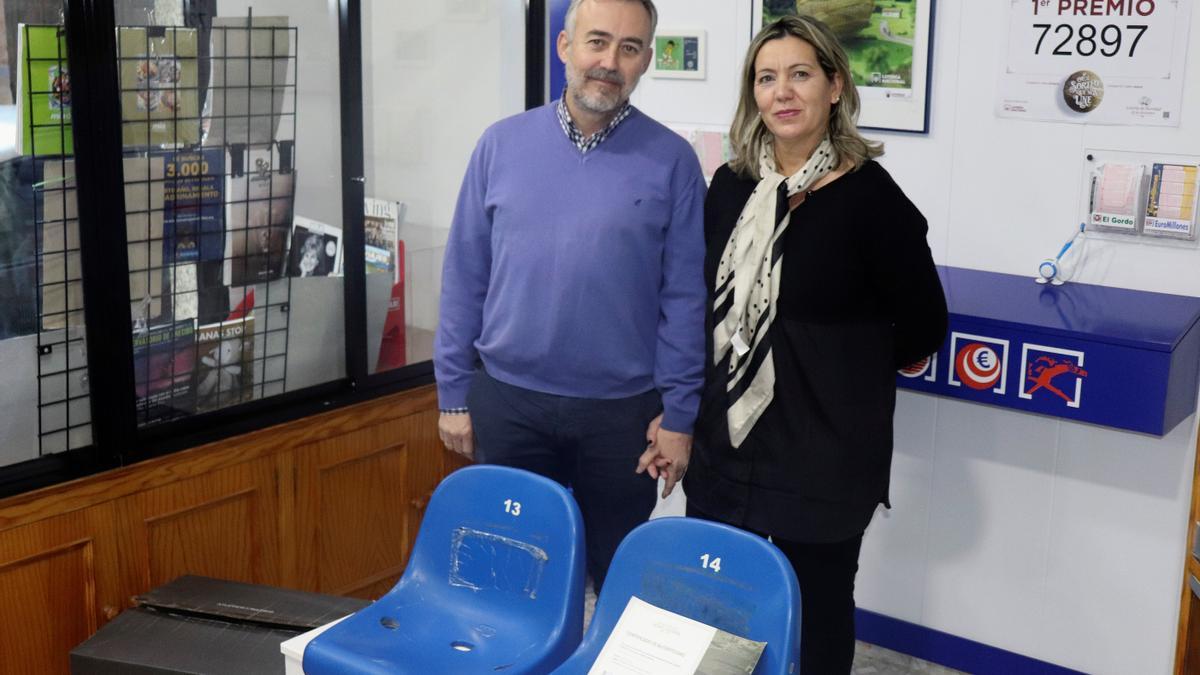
571, 336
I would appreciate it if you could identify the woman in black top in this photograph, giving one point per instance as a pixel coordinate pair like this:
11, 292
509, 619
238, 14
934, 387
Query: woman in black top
821, 286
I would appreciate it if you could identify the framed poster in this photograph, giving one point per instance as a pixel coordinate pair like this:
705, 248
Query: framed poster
1095, 62
889, 44
679, 54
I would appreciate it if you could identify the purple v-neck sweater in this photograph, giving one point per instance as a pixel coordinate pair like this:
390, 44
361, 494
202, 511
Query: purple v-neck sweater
577, 274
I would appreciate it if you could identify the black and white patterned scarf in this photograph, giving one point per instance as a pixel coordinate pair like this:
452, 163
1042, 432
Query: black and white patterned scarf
748, 287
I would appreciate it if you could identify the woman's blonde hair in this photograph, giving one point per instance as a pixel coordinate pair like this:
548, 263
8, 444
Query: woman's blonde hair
748, 132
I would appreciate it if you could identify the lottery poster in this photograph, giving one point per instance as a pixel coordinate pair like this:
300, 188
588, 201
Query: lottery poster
1095, 61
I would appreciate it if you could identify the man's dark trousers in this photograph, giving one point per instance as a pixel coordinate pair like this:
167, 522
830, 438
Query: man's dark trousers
589, 445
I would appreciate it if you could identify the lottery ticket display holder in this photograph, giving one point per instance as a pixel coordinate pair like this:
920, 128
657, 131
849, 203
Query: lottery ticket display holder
494, 584
1110, 356
716, 574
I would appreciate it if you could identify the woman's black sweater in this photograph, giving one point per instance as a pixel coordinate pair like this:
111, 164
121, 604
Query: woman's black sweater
859, 298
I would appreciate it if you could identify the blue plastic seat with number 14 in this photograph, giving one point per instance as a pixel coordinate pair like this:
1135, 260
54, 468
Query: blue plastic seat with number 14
718, 575
494, 585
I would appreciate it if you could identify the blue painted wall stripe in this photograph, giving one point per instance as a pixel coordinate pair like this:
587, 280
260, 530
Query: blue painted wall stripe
947, 650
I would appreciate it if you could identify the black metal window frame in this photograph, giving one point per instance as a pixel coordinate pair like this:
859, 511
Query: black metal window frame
96, 114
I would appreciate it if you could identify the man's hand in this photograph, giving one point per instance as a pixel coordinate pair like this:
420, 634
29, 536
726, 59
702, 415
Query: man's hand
667, 454
456, 434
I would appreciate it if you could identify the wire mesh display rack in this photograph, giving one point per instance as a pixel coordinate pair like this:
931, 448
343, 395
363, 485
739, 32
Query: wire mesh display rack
64, 407
208, 129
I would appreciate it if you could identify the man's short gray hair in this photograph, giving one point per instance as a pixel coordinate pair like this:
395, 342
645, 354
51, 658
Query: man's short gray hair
569, 24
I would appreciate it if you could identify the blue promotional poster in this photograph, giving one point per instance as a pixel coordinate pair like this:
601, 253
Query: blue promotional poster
193, 212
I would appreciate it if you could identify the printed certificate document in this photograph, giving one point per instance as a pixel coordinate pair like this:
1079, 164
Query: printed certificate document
648, 640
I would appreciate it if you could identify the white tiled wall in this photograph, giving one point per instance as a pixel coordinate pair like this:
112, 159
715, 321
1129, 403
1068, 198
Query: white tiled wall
991, 488
898, 536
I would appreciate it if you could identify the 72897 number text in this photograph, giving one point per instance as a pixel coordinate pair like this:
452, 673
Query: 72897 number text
1089, 39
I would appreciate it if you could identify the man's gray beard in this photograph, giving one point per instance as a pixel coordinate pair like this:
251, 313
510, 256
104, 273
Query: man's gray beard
599, 105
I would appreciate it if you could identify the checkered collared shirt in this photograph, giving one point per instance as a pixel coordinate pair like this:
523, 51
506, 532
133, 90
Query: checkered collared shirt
573, 133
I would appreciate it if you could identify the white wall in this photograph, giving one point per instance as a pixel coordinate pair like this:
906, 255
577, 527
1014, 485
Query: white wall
1060, 541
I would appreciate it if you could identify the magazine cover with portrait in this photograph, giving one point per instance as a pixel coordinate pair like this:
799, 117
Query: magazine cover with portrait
315, 250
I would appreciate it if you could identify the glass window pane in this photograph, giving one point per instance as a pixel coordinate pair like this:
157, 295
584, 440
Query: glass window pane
44, 404
424, 108
226, 126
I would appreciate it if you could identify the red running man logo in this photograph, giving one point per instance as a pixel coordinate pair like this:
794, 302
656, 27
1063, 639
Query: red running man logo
1044, 369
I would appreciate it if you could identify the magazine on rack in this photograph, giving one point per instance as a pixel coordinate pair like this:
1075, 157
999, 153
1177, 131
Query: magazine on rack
225, 371
258, 219
316, 249
164, 359
381, 220
160, 97
44, 91
193, 206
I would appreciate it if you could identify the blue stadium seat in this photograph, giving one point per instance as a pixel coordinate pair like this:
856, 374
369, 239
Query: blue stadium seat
494, 585
713, 573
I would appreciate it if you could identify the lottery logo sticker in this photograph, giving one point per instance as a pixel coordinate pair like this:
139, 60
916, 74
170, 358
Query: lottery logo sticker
1052, 373
980, 363
926, 369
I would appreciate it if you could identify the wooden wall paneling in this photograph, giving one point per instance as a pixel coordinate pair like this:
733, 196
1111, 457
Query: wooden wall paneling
285, 477
350, 492
1189, 640
223, 524
328, 503
199, 461
59, 582
423, 477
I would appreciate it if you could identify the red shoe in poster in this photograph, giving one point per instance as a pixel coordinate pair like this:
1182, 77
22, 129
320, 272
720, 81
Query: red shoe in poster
392, 346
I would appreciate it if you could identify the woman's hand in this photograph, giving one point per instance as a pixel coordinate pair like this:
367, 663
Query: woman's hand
667, 453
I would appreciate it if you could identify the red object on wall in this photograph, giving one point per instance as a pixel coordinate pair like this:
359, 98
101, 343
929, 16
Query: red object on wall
392, 345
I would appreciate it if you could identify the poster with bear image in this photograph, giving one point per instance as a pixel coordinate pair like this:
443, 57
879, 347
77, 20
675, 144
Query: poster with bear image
225, 363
